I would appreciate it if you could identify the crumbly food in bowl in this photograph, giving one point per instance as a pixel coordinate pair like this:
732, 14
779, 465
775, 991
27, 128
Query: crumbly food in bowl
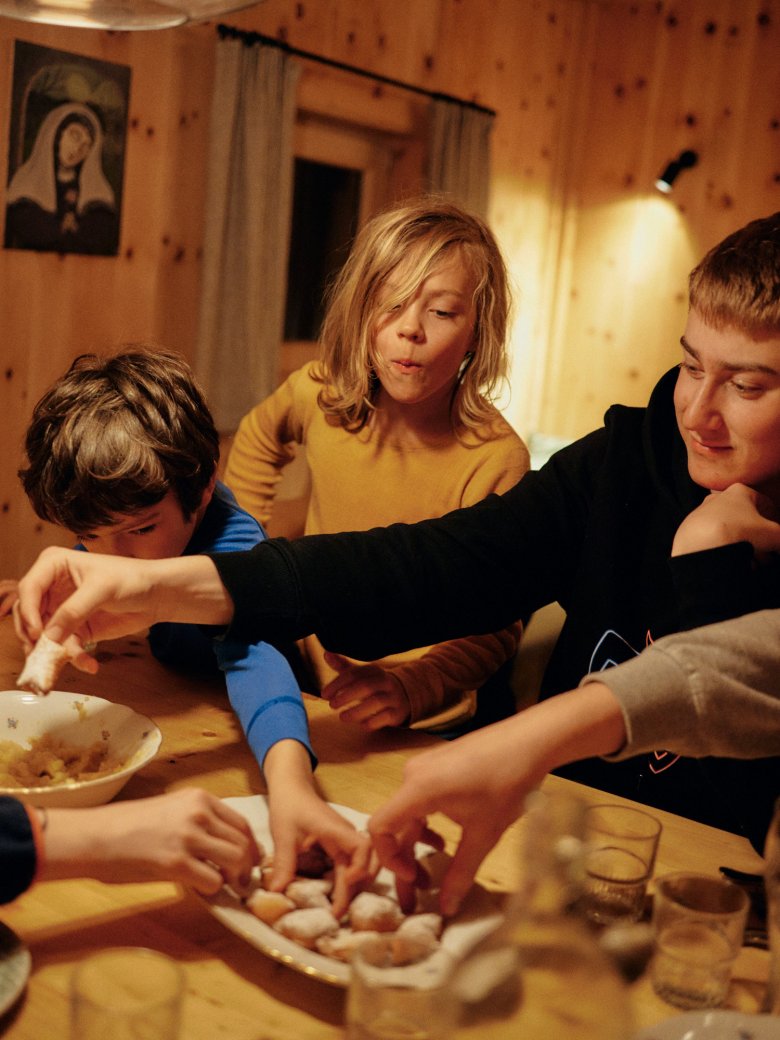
48, 760
100, 743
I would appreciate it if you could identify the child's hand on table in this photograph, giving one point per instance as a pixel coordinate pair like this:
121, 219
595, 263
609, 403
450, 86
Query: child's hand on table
366, 694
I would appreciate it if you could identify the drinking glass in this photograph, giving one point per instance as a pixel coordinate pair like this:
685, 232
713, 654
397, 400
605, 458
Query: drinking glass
699, 922
126, 993
621, 848
387, 1001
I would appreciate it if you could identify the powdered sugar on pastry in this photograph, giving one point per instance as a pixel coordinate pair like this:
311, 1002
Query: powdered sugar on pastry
307, 892
308, 925
422, 927
303, 914
416, 937
42, 666
343, 944
370, 911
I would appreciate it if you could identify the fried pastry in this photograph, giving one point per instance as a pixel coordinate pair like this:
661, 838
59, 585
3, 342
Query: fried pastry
370, 911
43, 665
307, 926
422, 926
416, 937
308, 892
269, 906
343, 944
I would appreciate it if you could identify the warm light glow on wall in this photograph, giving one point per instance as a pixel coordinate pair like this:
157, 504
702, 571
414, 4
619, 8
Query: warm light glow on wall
603, 302
521, 219
652, 228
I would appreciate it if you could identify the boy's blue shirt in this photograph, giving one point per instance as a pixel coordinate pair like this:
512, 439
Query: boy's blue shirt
260, 683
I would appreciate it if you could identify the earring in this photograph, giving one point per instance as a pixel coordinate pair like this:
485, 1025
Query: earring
468, 357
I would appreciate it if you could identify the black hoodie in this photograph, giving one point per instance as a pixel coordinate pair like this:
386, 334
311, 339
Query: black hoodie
592, 530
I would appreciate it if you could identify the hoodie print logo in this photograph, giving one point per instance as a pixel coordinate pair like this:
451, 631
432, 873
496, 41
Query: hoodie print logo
660, 761
610, 650
613, 649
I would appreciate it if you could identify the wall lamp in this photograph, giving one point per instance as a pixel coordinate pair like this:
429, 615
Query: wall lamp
684, 161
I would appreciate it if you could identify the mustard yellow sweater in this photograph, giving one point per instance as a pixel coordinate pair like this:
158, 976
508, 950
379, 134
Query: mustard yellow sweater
359, 481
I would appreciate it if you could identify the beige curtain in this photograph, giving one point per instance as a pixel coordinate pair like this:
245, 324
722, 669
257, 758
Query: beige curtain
459, 154
248, 203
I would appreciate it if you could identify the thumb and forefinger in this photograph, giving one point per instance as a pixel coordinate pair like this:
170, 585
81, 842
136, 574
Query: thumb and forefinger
68, 619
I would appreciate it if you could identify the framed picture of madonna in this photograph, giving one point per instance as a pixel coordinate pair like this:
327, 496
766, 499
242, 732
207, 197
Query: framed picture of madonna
66, 152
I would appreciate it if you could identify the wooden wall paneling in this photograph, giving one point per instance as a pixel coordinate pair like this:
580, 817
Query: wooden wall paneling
177, 243
533, 59
392, 40
57, 307
592, 97
356, 100
158, 185
395, 38
708, 75
398, 118
582, 358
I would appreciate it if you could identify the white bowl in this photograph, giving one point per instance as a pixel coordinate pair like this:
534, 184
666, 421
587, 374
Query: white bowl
78, 720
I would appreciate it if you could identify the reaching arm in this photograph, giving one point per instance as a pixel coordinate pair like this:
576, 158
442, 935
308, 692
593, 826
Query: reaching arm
187, 836
711, 691
20, 833
368, 594
484, 566
481, 781
92, 597
300, 818
269, 705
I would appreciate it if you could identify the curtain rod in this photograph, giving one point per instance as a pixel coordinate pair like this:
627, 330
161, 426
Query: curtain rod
250, 38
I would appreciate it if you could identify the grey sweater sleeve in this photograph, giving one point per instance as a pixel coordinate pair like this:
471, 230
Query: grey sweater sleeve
710, 691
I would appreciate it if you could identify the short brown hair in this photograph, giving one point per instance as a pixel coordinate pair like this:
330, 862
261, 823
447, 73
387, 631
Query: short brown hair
114, 435
738, 282
419, 234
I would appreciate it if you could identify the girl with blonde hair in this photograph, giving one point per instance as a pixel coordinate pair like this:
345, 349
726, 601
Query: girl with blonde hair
397, 421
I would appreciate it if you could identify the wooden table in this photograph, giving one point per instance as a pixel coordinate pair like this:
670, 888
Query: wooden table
234, 991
